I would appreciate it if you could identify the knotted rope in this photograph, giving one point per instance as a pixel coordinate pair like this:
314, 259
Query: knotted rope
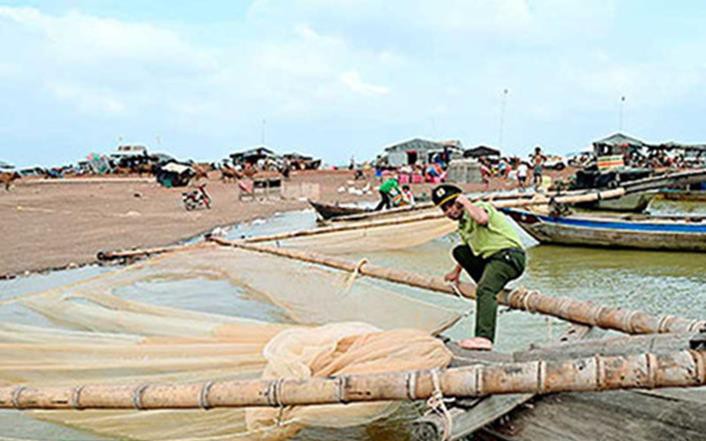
437, 404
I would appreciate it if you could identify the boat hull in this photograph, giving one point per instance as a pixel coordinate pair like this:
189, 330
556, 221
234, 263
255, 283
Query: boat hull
328, 211
605, 232
635, 202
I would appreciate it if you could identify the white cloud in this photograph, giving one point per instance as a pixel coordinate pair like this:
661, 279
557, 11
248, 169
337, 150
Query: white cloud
353, 81
303, 62
76, 37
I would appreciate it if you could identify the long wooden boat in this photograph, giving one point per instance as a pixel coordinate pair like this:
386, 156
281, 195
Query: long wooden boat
682, 195
328, 211
633, 202
645, 232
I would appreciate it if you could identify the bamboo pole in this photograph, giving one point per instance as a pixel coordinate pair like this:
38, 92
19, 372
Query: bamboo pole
540, 200
429, 205
138, 252
462, 421
339, 228
598, 373
566, 308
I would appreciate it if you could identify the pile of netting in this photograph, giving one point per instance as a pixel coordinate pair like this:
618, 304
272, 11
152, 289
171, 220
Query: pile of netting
328, 324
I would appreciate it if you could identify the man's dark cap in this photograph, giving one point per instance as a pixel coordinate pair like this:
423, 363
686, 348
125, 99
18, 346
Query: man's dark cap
444, 193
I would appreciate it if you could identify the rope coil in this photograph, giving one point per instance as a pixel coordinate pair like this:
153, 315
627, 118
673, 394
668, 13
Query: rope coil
627, 321
700, 366
412, 385
541, 375
76, 397
341, 383
137, 396
697, 326
650, 367
203, 395
596, 316
661, 325
274, 393
599, 372
16, 396
526, 301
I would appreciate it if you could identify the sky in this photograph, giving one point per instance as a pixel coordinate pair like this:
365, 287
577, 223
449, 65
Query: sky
336, 78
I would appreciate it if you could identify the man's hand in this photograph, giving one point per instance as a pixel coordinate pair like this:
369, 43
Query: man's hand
454, 275
476, 213
463, 201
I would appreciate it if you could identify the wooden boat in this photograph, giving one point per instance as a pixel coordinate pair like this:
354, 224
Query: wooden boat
328, 211
633, 203
645, 232
682, 195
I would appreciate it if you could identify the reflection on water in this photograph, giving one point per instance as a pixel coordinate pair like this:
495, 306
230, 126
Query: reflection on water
657, 282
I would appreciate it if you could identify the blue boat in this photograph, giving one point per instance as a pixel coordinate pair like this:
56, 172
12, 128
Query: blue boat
683, 233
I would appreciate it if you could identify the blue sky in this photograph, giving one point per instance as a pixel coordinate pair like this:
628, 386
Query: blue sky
336, 78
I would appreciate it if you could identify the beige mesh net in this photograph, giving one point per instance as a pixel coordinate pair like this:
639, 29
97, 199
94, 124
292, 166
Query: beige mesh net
388, 234
329, 325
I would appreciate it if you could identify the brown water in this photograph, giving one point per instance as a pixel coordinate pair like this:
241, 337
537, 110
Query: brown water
657, 282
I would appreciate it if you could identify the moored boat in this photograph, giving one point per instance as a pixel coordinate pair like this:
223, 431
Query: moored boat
633, 202
328, 211
645, 232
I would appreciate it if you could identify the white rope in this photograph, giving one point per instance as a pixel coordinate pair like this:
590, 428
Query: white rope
662, 322
457, 291
137, 396
203, 395
437, 404
354, 275
627, 321
526, 301
341, 383
76, 397
16, 396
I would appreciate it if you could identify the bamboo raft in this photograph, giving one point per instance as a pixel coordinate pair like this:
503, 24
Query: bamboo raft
570, 377
555, 392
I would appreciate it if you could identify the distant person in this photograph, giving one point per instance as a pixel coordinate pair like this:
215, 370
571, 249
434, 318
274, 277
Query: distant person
538, 160
407, 195
522, 170
490, 252
388, 190
351, 166
484, 173
503, 168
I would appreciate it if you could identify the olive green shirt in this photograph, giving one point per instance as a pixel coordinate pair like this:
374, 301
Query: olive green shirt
486, 240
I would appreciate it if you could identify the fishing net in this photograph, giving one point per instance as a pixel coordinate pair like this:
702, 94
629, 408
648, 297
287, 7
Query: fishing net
380, 235
324, 322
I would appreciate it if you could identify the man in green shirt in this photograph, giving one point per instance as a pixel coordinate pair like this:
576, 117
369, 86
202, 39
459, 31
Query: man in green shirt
491, 253
389, 190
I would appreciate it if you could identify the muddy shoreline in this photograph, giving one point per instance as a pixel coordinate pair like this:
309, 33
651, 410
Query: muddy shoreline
59, 225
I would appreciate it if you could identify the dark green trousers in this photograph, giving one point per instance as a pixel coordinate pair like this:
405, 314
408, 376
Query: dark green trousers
491, 275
